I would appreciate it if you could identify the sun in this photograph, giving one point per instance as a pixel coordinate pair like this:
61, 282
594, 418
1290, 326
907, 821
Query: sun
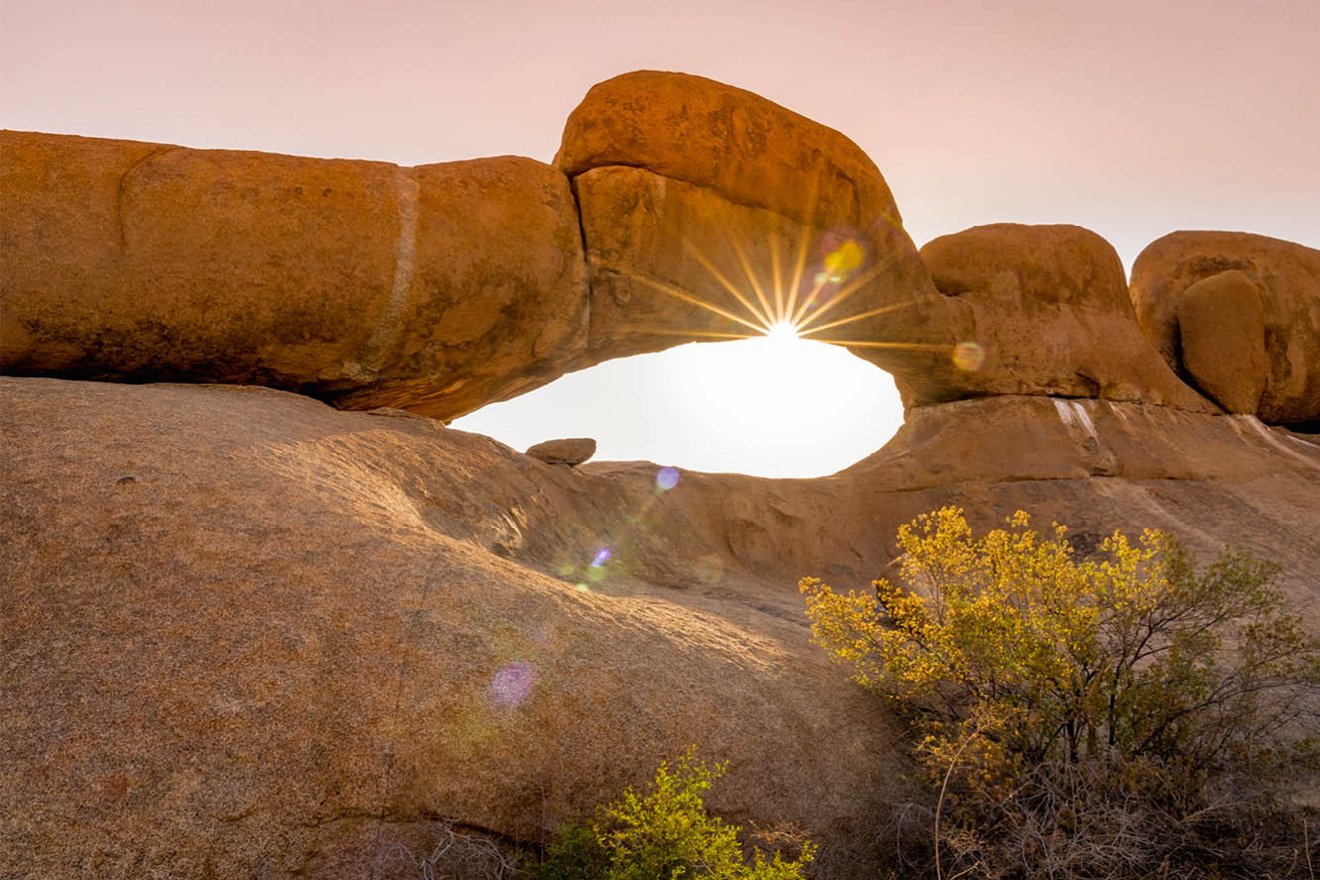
782, 331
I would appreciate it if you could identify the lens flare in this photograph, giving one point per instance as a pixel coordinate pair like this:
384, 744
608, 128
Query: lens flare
511, 685
782, 331
968, 356
667, 478
602, 556
844, 260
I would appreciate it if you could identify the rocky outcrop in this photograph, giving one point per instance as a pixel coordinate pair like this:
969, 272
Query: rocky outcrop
437, 288
245, 634
1221, 340
709, 212
681, 209
1050, 314
1219, 305
749, 150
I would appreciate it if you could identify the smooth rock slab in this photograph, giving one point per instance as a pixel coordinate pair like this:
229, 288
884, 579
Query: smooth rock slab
296, 636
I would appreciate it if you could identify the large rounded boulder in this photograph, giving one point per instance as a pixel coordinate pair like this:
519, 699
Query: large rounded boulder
1050, 315
710, 212
1237, 314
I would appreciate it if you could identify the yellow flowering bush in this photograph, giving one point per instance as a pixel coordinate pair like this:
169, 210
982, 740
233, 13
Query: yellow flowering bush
1078, 716
664, 833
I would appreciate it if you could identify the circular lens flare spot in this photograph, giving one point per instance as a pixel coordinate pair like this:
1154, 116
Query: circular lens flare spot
511, 685
602, 556
667, 478
968, 356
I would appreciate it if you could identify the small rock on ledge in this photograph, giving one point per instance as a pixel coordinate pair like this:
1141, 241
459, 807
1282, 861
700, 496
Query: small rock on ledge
572, 451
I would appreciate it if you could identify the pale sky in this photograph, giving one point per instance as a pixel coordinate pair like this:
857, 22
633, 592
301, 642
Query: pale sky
1133, 118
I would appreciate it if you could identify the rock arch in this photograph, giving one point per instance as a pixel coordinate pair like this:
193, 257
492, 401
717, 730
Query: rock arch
677, 208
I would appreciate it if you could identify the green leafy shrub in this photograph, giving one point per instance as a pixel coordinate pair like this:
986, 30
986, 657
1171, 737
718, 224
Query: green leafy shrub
1116, 716
664, 833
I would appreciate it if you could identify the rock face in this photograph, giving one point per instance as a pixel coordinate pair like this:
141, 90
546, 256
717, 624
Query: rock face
438, 288
248, 635
710, 212
681, 209
1221, 336
1245, 300
1050, 312
718, 137
571, 451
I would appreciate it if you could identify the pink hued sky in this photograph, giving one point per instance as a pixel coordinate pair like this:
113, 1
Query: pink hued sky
1133, 118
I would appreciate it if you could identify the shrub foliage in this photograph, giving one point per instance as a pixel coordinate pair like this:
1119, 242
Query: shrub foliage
664, 833
1121, 715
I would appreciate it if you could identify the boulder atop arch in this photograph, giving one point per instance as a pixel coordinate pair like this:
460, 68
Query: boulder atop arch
711, 211
748, 149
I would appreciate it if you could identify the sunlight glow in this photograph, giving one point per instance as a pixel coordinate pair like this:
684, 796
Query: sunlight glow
778, 399
767, 406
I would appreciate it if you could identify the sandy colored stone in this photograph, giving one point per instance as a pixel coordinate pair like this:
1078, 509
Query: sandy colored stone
690, 189
1050, 314
498, 299
746, 148
135, 262
672, 262
248, 635
1221, 330
571, 451
295, 634
436, 288
1286, 274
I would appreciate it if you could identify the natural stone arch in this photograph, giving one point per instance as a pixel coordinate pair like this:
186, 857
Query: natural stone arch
680, 209
435, 289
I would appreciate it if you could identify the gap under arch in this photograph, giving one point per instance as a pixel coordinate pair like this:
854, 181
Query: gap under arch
772, 406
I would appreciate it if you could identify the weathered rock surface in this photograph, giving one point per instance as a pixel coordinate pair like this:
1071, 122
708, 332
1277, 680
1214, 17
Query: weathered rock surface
710, 212
715, 136
571, 451
247, 635
670, 262
695, 210
1286, 277
436, 288
1049, 310
1221, 335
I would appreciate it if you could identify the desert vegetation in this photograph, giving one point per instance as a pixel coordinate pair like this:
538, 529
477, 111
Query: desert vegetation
664, 833
1123, 715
